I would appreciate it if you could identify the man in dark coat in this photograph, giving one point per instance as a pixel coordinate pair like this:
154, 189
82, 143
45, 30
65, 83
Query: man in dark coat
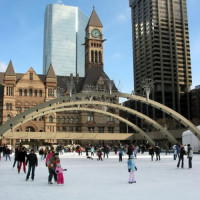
157, 151
21, 159
130, 150
7, 153
181, 157
17, 150
32, 163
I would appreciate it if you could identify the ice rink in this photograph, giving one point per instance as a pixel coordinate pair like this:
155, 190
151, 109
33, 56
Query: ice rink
87, 179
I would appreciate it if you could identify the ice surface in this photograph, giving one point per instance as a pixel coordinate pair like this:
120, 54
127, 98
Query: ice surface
92, 179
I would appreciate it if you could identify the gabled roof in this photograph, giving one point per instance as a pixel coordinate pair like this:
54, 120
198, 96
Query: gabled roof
10, 70
51, 73
94, 20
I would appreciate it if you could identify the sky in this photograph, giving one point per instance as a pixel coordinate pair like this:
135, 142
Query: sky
22, 32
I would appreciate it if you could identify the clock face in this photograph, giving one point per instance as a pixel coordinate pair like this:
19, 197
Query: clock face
95, 33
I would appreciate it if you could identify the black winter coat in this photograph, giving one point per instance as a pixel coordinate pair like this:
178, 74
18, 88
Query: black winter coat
21, 156
16, 154
32, 159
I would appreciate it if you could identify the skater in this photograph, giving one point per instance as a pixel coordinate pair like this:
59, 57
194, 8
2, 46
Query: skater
92, 150
131, 169
189, 155
157, 151
130, 150
151, 153
7, 153
21, 159
41, 153
32, 163
52, 166
181, 157
175, 148
49, 155
17, 150
86, 150
99, 154
121, 153
59, 171
135, 152
105, 151
115, 149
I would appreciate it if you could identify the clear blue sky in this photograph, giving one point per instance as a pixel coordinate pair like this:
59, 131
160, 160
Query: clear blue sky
22, 30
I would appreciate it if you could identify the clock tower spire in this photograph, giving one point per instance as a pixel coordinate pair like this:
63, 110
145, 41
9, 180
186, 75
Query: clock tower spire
94, 42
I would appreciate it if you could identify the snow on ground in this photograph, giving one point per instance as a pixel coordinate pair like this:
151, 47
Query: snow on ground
92, 179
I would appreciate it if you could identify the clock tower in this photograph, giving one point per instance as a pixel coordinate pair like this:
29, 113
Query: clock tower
94, 43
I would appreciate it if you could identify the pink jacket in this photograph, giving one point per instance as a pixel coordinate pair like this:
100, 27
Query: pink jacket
48, 157
59, 170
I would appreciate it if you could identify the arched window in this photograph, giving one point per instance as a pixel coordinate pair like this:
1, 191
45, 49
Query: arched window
110, 119
30, 129
30, 92
7, 106
100, 57
92, 56
50, 119
57, 119
8, 117
35, 93
20, 92
90, 117
40, 93
95, 56
10, 106
25, 92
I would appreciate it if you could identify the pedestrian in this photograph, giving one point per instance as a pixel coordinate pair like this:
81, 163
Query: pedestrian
186, 148
17, 150
131, 169
151, 153
99, 154
52, 166
86, 150
59, 171
121, 153
41, 153
92, 150
32, 163
181, 157
105, 151
189, 155
7, 153
21, 159
175, 148
157, 151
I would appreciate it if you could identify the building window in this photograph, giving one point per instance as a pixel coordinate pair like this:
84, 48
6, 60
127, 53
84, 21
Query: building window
30, 92
57, 119
70, 129
100, 57
71, 120
78, 129
110, 119
40, 93
31, 76
9, 91
57, 129
8, 117
110, 129
96, 57
35, 93
67, 120
26, 108
20, 92
19, 110
25, 92
63, 119
101, 129
50, 119
64, 129
50, 92
91, 129
92, 56
77, 119
9, 106
90, 117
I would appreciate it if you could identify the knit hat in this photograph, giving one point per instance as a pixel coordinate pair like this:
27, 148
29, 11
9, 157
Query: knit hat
58, 164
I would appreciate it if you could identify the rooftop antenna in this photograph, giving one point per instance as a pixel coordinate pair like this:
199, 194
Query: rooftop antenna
60, 2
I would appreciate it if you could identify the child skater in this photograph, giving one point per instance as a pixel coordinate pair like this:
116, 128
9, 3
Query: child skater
99, 154
131, 169
59, 171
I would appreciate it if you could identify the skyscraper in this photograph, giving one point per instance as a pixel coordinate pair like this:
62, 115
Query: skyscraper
161, 50
64, 34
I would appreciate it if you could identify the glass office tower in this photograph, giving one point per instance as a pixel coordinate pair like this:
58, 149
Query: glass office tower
64, 34
161, 50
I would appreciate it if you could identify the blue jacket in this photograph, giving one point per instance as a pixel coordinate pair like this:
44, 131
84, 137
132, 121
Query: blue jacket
121, 152
131, 165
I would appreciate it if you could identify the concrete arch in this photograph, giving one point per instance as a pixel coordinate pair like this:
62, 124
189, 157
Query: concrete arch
6, 127
140, 131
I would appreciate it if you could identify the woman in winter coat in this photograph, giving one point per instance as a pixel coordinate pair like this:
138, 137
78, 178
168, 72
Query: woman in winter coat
49, 156
17, 150
59, 171
21, 159
131, 169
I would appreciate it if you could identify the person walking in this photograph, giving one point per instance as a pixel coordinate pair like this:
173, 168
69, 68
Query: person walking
52, 166
21, 159
32, 163
189, 155
181, 157
121, 153
41, 153
17, 150
151, 153
131, 169
59, 171
157, 151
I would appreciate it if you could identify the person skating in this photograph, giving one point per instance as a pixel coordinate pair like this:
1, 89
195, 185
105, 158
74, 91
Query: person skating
52, 166
130, 150
21, 159
49, 155
7, 153
105, 151
59, 171
92, 150
32, 163
41, 153
189, 155
157, 151
131, 169
99, 154
121, 153
151, 153
181, 157
17, 150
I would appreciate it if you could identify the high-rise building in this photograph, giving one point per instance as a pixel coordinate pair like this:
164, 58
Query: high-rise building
64, 34
161, 51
